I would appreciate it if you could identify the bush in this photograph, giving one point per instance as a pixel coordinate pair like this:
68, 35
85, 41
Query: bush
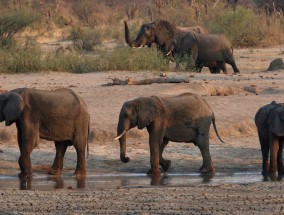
13, 23
125, 58
241, 26
85, 38
21, 59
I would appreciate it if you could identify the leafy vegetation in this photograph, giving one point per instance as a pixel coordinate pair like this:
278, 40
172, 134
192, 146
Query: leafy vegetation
89, 23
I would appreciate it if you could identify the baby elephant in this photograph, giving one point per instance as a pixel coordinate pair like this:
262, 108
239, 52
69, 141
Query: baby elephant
269, 121
59, 115
183, 118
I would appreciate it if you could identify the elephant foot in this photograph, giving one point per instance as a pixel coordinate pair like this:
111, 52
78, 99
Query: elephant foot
272, 175
22, 175
80, 173
154, 172
166, 165
207, 170
53, 171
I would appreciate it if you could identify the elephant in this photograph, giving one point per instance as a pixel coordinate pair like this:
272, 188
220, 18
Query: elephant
182, 118
206, 50
160, 32
269, 121
59, 115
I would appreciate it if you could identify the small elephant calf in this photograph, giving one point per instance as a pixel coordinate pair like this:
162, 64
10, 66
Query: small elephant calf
59, 115
269, 121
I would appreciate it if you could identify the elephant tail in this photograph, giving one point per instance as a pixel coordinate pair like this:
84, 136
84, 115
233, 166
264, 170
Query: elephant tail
215, 128
88, 151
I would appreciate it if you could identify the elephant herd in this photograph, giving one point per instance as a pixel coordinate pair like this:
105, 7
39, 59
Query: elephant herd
62, 116
192, 43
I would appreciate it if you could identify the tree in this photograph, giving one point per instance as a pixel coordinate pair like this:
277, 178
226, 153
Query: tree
13, 23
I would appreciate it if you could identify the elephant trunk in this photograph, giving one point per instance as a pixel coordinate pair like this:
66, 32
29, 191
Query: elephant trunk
122, 142
137, 43
127, 39
121, 135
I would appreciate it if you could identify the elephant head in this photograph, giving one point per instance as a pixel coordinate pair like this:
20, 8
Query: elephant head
145, 36
140, 112
160, 32
185, 44
276, 120
11, 107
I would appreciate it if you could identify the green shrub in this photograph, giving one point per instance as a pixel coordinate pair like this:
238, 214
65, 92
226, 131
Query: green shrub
12, 23
125, 58
241, 26
21, 60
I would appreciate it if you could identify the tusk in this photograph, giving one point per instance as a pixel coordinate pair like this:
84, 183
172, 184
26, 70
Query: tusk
119, 136
169, 53
139, 47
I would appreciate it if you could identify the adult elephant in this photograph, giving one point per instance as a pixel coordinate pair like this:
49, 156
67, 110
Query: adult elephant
183, 118
269, 121
205, 50
160, 32
59, 115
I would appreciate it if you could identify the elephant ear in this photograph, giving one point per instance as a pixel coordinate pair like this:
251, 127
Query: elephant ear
276, 121
13, 107
148, 111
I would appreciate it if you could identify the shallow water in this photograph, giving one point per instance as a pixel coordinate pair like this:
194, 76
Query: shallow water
46, 182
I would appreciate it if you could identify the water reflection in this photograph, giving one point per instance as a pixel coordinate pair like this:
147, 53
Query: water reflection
56, 182
93, 181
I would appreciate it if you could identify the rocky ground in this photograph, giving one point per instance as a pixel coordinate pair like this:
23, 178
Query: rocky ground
234, 100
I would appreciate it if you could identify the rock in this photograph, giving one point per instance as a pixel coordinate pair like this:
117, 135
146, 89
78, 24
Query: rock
276, 64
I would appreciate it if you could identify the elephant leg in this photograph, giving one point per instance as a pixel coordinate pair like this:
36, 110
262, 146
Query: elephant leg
25, 164
155, 140
280, 158
265, 152
203, 144
57, 165
274, 148
223, 67
80, 146
26, 146
232, 62
163, 162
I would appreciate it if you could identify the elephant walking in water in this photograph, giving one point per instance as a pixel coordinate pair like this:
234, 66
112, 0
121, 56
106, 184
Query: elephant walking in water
59, 115
269, 121
183, 118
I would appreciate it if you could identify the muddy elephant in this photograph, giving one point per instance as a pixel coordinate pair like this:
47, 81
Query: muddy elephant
183, 118
160, 32
205, 50
59, 115
269, 121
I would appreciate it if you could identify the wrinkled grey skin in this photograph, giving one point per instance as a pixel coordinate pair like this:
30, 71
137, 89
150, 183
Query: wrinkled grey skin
205, 50
59, 115
183, 118
269, 121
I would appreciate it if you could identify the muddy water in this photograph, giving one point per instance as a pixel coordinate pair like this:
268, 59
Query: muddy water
45, 182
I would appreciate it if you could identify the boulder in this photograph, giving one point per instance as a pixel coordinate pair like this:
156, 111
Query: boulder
276, 64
